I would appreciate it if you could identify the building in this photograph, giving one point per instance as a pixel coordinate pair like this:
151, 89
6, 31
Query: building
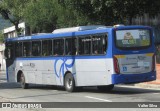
11, 31
2, 58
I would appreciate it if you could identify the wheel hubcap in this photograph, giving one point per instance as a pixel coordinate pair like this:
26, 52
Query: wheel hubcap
22, 79
69, 83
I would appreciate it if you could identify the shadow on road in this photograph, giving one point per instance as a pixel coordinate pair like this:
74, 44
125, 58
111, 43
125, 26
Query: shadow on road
117, 89
133, 90
122, 90
5, 85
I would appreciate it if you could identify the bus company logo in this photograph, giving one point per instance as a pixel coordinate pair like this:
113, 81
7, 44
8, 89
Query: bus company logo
131, 58
32, 65
141, 57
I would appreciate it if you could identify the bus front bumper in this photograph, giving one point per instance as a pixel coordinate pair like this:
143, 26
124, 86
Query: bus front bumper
133, 78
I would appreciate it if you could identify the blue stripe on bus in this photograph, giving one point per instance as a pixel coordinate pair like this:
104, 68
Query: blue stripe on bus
60, 35
133, 78
60, 57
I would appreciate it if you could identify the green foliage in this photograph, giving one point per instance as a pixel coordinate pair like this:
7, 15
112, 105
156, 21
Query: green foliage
12, 10
68, 17
110, 12
1, 37
4, 23
46, 15
40, 15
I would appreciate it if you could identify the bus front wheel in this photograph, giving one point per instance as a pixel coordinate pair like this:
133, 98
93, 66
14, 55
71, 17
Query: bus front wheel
24, 85
69, 83
105, 88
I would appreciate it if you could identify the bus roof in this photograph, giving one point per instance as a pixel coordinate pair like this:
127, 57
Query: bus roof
74, 31
78, 28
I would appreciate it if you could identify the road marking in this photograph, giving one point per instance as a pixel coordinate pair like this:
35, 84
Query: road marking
155, 93
98, 99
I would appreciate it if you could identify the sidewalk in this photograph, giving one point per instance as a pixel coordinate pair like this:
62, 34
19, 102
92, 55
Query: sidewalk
3, 79
157, 81
153, 84
3, 76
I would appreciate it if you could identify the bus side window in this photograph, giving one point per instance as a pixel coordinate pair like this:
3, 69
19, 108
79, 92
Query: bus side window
26, 49
99, 44
18, 49
58, 47
46, 47
36, 48
70, 46
105, 43
85, 45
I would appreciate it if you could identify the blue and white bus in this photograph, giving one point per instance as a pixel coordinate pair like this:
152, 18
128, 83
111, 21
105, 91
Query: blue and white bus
83, 56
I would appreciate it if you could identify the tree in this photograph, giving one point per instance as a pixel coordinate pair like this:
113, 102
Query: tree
1, 37
45, 16
109, 12
40, 15
67, 17
12, 10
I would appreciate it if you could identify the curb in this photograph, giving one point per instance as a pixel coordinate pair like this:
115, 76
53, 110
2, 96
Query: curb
4, 99
149, 86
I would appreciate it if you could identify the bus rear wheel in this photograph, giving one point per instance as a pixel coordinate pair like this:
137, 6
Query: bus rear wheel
69, 83
105, 88
24, 85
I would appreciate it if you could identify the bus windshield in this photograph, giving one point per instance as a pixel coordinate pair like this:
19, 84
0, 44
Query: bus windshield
130, 39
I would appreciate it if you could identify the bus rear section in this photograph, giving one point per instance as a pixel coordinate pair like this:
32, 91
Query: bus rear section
133, 55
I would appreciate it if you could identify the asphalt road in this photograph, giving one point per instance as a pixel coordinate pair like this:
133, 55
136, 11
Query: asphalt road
41, 93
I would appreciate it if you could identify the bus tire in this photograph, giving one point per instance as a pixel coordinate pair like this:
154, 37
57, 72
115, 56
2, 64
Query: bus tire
105, 88
69, 83
24, 85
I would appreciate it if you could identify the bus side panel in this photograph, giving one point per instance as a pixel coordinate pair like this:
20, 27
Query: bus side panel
62, 66
37, 71
93, 72
96, 70
48, 73
26, 66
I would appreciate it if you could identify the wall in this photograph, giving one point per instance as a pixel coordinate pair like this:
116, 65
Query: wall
2, 60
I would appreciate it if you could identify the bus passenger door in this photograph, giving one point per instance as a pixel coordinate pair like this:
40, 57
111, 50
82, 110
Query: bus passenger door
10, 64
